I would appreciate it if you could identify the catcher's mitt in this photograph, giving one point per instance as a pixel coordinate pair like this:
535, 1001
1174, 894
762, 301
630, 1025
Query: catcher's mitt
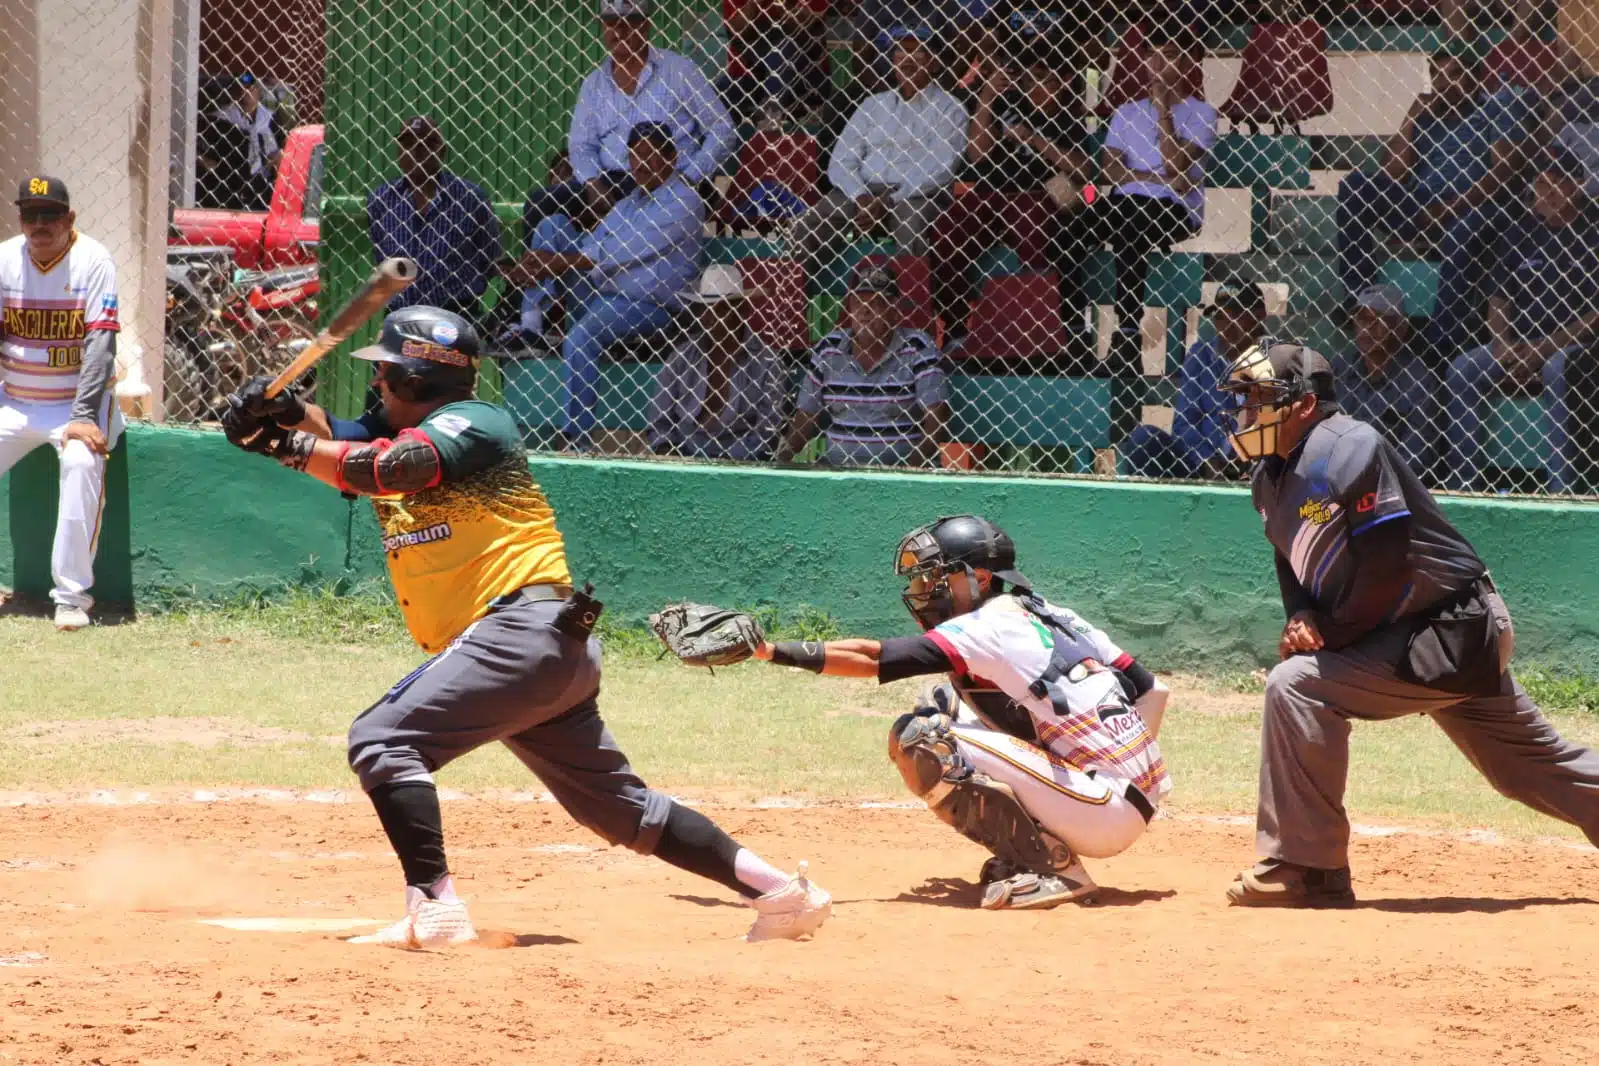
703, 635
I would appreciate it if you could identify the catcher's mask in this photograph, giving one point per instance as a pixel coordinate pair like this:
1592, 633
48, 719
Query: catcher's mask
1264, 384
953, 548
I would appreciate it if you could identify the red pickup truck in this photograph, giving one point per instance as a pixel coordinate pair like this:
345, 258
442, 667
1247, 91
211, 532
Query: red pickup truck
287, 234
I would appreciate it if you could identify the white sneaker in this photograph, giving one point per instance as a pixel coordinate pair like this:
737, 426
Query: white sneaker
788, 913
70, 618
428, 924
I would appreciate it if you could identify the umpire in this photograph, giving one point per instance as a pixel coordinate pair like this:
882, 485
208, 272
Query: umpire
1390, 612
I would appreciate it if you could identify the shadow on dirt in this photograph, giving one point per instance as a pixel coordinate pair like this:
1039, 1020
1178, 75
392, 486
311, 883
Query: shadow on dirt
705, 901
1468, 904
958, 892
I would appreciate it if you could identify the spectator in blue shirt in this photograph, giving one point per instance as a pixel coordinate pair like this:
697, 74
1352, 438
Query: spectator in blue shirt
443, 222
1385, 382
1197, 445
1449, 157
626, 278
637, 83
1545, 306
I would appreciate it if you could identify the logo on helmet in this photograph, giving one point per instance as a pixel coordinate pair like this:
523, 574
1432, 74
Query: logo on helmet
446, 333
435, 353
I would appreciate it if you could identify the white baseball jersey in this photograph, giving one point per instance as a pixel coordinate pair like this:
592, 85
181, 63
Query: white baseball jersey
47, 313
1086, 720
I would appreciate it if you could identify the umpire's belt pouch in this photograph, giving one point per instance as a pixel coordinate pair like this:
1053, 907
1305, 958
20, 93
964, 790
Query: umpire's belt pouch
1455, 649
578, 614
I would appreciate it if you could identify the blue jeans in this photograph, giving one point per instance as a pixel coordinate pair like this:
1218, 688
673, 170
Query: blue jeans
1468, 381
1366, 202
594, 322
1464, 252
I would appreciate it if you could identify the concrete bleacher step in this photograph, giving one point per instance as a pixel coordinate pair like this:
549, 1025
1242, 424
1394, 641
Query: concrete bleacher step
1303, 225
1515, 433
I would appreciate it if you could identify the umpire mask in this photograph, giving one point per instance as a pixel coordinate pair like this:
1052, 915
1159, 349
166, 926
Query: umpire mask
1264, 384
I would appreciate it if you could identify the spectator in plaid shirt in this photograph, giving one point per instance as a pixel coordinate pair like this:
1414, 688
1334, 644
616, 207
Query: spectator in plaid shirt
444, 222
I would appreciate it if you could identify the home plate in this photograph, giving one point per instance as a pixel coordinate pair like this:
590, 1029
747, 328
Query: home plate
294, 925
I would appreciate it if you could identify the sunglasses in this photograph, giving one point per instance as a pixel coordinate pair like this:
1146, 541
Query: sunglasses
35, 215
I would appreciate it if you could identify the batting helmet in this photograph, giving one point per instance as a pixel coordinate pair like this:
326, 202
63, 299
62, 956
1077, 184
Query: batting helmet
425, 352
1265, 382
953, 545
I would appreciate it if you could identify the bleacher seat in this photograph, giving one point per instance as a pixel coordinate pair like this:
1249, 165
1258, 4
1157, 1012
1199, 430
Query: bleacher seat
1283, 77
1000, 261
1515, 429
1418, 280
736, 249
536, 397
1041, 411
778, 312
1016, 320
1175, 280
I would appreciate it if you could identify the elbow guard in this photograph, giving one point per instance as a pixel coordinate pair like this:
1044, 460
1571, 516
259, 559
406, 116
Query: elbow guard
386, 468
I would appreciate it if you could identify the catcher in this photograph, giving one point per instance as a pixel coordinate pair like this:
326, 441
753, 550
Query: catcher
1041, 744
480, 571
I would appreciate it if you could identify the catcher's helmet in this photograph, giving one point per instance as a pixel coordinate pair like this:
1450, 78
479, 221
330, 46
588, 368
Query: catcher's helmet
431, 351
1265, 382
928, 556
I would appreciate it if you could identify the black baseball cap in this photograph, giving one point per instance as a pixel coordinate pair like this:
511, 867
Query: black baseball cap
1246, 299
659, 132
43, 189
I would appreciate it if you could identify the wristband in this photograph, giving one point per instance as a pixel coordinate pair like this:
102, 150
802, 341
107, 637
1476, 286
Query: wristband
805, 654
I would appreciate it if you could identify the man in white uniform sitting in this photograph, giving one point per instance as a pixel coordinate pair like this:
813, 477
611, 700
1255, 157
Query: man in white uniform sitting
58, 348
1041, 745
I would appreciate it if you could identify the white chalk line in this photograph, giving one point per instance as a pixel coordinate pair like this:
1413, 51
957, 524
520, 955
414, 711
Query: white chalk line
133, 798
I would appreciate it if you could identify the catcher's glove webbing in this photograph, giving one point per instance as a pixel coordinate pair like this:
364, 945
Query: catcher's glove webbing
703, 635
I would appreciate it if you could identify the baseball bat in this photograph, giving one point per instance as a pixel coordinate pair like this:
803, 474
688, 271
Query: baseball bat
390, 277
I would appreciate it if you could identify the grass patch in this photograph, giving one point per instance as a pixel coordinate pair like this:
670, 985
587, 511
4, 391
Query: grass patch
260, 689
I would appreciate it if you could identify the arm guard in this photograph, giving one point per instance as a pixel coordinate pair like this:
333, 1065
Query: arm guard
384, 467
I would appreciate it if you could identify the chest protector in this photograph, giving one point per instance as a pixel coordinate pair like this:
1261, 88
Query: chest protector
1065, 670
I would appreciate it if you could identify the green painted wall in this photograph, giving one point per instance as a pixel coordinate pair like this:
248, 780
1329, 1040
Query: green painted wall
1180, 574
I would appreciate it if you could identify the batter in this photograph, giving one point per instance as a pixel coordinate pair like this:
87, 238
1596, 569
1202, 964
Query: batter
480, 572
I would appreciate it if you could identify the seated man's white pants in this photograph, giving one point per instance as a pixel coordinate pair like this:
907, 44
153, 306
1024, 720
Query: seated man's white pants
24, 427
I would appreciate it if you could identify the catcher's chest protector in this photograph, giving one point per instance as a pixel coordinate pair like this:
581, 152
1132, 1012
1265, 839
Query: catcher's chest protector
1069, 651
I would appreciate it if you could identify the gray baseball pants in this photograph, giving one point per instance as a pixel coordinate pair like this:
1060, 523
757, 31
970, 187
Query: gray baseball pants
1304, 758
512, 677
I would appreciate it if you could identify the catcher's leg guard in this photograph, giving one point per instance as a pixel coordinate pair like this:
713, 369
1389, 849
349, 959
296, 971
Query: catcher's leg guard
981, 809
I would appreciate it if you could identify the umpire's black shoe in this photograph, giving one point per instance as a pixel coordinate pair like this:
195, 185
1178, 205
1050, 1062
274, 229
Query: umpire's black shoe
1274, 883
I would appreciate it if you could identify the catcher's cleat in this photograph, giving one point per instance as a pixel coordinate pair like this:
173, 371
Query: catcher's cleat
1274, 883
797, 909
428, 924
1030, 891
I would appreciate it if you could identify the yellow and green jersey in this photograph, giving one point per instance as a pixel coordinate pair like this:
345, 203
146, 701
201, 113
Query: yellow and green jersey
485, 530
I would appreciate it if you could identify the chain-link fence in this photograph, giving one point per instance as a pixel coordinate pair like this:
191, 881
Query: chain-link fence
1025, 236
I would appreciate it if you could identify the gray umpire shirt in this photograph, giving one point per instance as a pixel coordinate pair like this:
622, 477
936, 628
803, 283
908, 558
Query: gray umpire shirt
1343, 480
876, 415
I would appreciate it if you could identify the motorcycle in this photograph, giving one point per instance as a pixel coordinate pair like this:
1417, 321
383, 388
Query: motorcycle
223, 328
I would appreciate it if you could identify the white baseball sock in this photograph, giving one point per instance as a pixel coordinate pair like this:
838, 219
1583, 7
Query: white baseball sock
757, 873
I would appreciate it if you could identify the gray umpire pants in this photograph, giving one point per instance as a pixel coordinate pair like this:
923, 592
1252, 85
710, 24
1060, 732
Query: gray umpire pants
1304, 757
512, 677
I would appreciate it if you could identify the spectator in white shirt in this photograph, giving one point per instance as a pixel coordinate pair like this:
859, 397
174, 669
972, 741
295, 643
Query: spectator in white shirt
894, 162
247, 115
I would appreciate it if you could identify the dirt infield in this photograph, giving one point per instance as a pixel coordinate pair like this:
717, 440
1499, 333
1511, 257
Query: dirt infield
1461, 952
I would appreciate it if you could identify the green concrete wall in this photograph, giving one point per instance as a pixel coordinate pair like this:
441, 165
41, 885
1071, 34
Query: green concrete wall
1181, 575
